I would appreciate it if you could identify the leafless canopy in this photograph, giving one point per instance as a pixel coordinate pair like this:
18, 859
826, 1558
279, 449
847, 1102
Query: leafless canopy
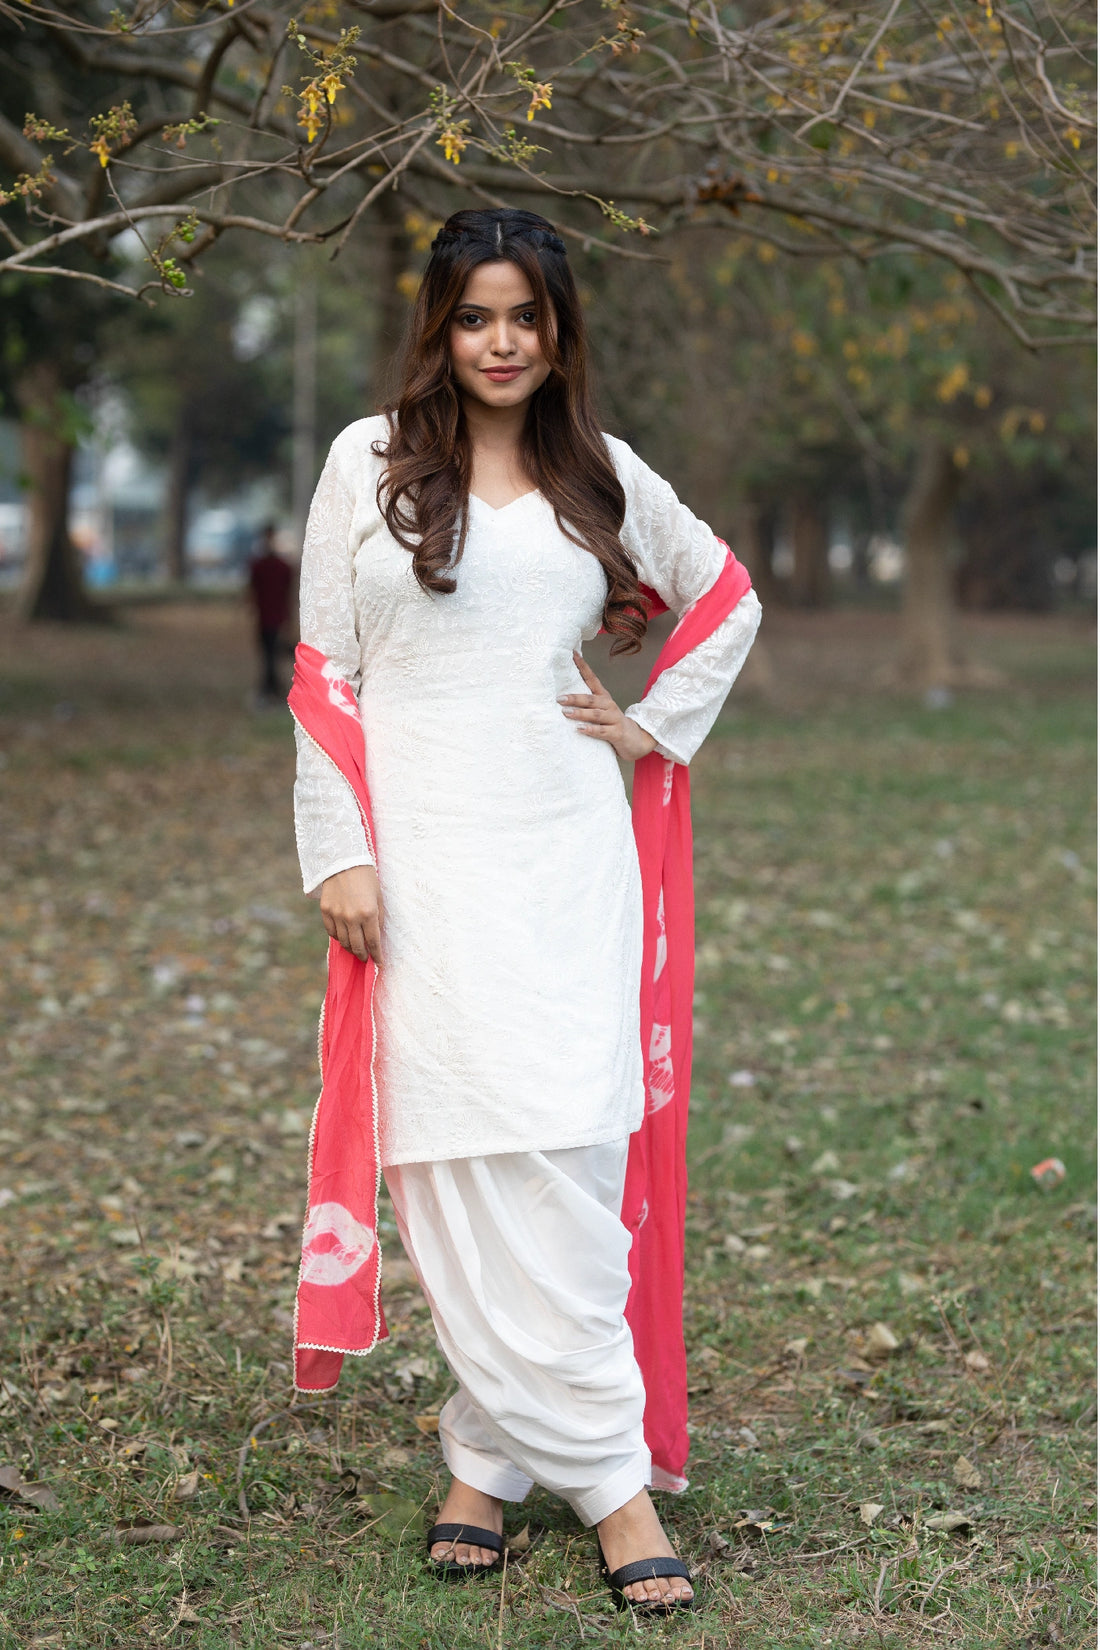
960, 129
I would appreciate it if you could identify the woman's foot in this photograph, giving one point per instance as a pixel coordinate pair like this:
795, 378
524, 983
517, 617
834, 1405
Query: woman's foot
634, 1532
468, 1506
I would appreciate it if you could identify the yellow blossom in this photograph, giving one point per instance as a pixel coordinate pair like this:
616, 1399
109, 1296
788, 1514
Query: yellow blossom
101, 148
952, 382
540, 97
983, 395
309, 115
452, 142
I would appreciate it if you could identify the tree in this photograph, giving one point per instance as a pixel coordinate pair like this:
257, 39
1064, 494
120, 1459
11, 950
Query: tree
827, 131
203, 403
136, 136
45, 360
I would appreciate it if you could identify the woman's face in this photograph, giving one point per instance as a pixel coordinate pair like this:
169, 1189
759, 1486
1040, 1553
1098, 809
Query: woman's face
495, 351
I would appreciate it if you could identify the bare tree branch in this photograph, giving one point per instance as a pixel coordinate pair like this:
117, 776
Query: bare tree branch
966, 136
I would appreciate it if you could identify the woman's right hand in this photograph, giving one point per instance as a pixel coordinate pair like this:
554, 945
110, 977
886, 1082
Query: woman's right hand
351, 908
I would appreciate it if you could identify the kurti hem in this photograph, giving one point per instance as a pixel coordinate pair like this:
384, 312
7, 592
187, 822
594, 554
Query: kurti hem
469, 1146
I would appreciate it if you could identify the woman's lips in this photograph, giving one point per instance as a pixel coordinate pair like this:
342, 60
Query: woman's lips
502, 375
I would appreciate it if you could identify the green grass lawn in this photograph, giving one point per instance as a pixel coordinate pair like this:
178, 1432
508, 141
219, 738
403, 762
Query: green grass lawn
890, 1323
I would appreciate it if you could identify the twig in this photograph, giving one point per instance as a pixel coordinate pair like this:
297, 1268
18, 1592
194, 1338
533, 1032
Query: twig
500, 1613
878, 1586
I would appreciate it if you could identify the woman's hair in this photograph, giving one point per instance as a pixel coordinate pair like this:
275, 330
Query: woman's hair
425, 486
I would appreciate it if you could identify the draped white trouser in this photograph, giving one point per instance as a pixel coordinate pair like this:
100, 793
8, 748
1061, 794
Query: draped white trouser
523, 1260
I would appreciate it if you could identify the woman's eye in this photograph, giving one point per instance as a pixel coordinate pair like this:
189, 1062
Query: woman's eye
469, 316
529, 318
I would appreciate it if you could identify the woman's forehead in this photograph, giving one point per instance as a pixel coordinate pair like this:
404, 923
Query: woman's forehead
498, 285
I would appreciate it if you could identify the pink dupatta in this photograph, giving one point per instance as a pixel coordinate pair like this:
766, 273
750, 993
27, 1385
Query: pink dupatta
338, 1308
655, 1196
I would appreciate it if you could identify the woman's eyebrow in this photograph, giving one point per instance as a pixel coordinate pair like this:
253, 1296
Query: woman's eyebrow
485, 309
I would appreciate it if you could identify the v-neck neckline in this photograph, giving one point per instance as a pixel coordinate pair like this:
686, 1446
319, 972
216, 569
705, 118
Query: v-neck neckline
498, 510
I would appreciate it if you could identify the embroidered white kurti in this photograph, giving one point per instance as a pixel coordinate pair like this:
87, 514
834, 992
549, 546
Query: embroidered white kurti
507, 1004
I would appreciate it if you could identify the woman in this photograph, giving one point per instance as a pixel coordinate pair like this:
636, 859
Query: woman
459, 549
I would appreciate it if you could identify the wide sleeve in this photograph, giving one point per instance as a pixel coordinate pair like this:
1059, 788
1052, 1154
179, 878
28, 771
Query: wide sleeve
679, 557
327, 825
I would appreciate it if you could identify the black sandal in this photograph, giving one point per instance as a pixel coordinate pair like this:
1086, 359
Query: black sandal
647, 1569
474, 1536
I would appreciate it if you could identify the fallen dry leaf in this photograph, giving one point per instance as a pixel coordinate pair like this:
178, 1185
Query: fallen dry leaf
827, 1163
880, 1341
427, 1424
869, 1511
138, 1534
977, 1361
521, 1541
187, 1486
967, 1474
946, 1522
35, 1493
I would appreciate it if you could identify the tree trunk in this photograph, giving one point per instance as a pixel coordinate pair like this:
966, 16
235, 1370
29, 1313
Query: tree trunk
810, 581
930, 654
392, 305
752, 530
176, 500
751, 535
304, 434
53, 580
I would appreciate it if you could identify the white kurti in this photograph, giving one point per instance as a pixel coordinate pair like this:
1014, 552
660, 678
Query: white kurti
507, 1005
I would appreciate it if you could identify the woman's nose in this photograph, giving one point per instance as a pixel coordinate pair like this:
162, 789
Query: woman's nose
502, 342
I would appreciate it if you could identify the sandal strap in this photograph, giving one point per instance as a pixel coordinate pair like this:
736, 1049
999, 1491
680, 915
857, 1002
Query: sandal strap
471, 1534
646, 1569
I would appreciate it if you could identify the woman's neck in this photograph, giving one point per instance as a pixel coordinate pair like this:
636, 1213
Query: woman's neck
496, 464
494, 430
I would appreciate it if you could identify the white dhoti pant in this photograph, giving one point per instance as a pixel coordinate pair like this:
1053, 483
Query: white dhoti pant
523, 1260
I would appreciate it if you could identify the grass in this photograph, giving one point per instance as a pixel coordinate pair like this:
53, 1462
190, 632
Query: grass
889, 1321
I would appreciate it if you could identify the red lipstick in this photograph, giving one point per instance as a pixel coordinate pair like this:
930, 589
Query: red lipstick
502, 375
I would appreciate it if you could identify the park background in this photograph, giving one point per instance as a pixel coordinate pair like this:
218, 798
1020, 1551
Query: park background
837, 269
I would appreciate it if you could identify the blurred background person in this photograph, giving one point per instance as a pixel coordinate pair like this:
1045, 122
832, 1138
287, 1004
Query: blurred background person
270, 580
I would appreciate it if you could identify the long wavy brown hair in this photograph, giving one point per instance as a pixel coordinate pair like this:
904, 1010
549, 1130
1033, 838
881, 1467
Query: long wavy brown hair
424, 490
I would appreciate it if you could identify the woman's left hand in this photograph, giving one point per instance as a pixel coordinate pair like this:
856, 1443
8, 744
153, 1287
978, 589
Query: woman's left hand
597, 715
